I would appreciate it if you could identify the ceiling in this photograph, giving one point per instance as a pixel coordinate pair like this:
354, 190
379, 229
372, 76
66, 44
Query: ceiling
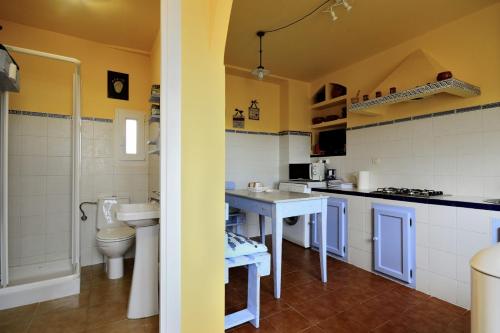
317, 45
131, 23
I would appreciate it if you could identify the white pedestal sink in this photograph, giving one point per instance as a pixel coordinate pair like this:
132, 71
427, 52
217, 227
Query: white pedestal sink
143, 301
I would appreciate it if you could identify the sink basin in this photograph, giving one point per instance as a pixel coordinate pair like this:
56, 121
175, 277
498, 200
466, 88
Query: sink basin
493, 201
138, 215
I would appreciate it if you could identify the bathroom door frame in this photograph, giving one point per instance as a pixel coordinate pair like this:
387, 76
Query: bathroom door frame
170, 166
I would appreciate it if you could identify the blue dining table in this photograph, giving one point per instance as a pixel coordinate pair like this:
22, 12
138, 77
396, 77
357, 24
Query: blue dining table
278, 205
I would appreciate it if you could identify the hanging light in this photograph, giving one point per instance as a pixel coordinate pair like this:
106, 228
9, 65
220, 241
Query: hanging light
260, 71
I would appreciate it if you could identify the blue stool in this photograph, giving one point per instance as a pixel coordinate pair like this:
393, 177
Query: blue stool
242, 251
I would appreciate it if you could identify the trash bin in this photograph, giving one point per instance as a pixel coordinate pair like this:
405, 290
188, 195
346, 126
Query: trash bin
485, 303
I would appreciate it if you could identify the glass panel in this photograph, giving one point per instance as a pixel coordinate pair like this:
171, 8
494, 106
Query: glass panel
131, 136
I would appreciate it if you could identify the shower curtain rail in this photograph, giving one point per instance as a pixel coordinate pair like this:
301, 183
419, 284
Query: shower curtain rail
42, 54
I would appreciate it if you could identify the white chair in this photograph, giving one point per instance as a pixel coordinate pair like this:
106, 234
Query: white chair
242, 251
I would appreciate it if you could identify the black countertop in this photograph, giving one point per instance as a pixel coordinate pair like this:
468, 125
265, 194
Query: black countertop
442, 200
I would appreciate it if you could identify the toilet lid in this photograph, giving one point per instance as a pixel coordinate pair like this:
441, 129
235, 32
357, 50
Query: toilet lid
116, 233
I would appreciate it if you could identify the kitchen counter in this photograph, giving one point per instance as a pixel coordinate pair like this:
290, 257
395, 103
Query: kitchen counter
442, 200
275, 196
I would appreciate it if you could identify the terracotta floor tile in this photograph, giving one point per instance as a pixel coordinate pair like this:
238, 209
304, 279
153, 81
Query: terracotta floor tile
390, 327
123, 326
264, 327
288, 321
106, 313
323, 307
71, 321
342, 324
314, 329
65, 303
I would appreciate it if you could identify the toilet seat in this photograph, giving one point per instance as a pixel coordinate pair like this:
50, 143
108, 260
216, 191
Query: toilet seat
114, 234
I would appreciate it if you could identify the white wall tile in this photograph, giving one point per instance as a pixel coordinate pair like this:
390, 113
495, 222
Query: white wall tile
36, 126
443, 238
443, 263
442, 216
59, 127
443, 287
58, 146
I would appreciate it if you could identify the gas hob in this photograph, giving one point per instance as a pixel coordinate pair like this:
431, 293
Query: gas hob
408, 192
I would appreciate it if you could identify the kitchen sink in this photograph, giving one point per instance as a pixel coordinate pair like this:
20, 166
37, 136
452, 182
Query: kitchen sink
493, 201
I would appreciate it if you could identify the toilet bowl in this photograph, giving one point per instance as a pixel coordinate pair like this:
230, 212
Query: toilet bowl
114, 238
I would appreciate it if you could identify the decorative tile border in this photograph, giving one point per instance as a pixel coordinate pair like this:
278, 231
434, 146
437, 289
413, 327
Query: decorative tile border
299, 133
55, 115
430, 115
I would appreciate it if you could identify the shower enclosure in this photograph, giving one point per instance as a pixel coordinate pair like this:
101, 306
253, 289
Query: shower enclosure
39, 181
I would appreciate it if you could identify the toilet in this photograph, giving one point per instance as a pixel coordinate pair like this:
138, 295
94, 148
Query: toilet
113, 238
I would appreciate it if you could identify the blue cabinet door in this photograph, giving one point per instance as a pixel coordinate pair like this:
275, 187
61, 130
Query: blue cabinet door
394, 241
336, 230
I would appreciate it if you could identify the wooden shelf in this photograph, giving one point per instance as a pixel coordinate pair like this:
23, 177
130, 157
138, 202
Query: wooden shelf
330, 103
328, 124
154, 118
155, 99
450, 86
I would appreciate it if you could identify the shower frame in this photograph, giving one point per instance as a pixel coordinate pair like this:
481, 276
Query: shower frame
11, 296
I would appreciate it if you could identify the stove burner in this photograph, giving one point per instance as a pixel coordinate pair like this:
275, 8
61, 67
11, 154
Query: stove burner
408, 192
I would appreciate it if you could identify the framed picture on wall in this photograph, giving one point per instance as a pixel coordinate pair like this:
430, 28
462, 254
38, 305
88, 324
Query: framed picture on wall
117, 85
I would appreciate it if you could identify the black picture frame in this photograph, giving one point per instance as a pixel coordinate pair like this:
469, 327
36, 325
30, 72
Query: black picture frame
118, 85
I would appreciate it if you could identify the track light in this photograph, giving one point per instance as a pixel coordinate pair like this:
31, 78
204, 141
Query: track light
332, 13
346, 5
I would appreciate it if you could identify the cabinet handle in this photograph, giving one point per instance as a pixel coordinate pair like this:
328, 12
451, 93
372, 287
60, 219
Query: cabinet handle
375, 239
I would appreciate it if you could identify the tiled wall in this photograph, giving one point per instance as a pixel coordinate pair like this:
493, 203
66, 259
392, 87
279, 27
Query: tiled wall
262, 157
446, 240
457, 152
102, 174
39, 188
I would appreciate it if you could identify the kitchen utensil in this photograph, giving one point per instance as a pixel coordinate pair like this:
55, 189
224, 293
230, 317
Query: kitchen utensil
318, 120
378, 94
355, 100
365, 97
444, 76
392, 90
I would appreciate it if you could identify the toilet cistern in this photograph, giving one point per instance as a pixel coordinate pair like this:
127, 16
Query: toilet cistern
144, 217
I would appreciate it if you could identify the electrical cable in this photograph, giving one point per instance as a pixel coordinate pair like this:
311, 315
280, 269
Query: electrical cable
299, 19
84, 216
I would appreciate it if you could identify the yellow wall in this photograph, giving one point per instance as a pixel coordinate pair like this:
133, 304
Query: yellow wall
469, 47
240, 91
156, 60
204, 30
283, 103
46, 86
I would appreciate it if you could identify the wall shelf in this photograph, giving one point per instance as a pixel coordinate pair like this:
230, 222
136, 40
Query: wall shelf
450, 86
154, 118
329, 124
154, 152
154, 99
329, 103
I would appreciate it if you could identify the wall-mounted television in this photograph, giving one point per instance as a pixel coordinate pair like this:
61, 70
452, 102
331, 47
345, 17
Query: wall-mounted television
332, 143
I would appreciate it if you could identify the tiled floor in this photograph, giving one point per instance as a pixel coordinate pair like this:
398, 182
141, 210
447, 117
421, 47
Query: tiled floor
352, 301
100, 307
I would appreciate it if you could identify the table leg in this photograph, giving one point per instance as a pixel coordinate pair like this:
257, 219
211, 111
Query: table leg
321, 219
262, 226
277, 250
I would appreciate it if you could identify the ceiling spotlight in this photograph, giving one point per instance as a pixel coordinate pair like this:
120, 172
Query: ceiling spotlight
346, 5
260, 71
332, 13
